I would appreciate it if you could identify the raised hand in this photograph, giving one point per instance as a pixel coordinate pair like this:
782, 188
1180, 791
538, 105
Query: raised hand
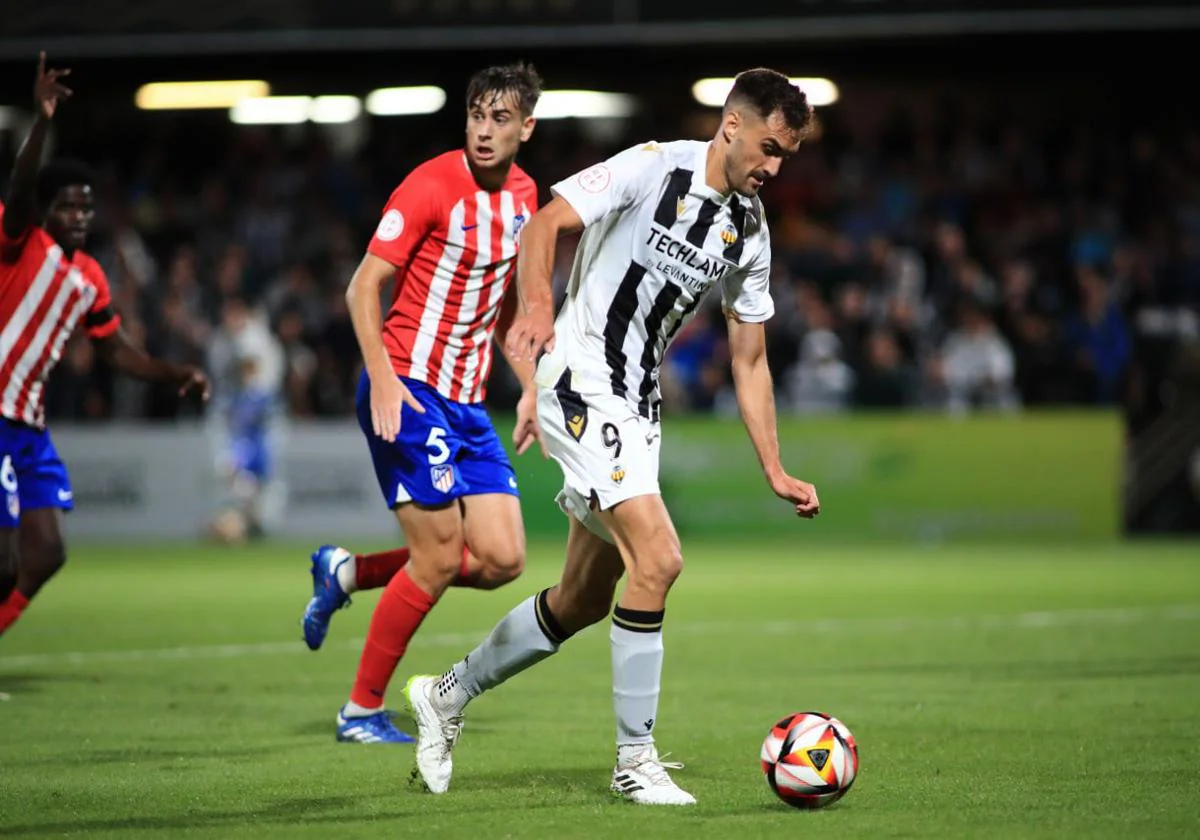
48, 91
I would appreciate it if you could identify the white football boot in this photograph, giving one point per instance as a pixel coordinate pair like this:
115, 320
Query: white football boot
436, 734
641, 777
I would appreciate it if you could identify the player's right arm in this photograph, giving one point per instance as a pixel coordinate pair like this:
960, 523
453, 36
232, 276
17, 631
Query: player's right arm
20, 209
388, 393
533, 327
579, 201
406, 221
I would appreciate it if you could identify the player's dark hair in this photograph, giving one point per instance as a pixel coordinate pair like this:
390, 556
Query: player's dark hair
492, 83
60, 173
768, 92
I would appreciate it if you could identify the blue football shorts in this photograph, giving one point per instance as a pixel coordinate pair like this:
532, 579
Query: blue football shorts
32, 476
450, 451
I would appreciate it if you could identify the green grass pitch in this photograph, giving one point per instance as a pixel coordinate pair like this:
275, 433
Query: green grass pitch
994, 692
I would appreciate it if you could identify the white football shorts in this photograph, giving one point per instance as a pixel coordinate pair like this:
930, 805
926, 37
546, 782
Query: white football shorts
607, 451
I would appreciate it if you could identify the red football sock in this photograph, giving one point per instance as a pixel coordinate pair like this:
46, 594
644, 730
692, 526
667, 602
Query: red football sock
11, 609
372, 571
401, 609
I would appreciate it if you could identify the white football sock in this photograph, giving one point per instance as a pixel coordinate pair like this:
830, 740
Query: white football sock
524, 637
637, 659
353, 710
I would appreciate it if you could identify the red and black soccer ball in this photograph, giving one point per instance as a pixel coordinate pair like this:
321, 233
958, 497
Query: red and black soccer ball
810, 760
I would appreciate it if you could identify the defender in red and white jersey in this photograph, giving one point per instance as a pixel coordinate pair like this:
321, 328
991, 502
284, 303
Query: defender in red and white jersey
447, 239
48, 288
455, 245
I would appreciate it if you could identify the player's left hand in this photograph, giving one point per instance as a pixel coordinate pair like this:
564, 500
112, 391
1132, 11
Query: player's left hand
527, 431
800, 493
194, 379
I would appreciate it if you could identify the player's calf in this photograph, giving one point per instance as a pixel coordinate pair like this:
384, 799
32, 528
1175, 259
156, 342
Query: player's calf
8, 561
12, 602
43, 552
577, 608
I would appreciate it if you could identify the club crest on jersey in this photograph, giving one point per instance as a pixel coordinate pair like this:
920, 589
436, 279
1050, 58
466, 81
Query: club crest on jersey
618, 474
729, 234
680, 206
442, 477
518, 223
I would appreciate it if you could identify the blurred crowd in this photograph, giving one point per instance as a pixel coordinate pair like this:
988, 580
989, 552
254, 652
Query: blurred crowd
947, 260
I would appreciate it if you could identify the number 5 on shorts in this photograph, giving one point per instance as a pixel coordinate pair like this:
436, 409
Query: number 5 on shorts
436, 442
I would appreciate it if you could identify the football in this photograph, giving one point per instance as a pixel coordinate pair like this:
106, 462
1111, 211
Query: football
810, 759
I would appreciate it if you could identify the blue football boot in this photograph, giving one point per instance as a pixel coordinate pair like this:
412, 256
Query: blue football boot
373, 729
328, 595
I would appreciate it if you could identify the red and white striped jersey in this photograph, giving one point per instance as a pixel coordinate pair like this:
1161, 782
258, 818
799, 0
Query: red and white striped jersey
454, 246
43, 297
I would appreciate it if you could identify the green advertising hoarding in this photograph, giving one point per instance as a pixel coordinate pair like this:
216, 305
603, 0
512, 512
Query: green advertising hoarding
1021, 477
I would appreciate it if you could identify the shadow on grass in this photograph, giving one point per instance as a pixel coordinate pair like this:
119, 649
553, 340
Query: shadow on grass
25, 684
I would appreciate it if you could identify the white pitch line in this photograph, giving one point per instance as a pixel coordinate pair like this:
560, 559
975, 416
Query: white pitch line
867, 626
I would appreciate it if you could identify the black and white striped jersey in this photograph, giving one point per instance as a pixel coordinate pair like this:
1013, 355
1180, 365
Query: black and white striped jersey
656, 239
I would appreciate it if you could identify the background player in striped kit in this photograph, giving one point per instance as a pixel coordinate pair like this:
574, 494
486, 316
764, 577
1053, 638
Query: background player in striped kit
449, 238
48, 287
663, 225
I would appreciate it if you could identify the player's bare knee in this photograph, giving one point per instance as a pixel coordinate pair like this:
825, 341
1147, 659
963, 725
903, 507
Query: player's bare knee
656, 567
441, 559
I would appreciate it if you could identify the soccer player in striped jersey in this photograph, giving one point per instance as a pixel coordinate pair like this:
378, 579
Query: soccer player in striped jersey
48, 288
448, 237
663, 225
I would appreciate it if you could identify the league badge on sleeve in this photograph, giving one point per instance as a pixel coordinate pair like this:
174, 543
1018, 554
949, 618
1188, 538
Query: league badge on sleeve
595, 179
390, 226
